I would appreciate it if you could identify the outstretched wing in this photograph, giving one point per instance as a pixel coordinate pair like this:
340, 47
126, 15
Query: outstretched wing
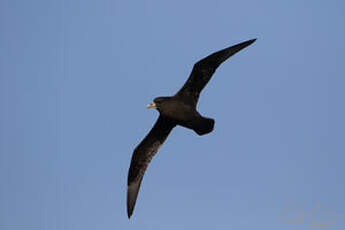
142, 156
204, 69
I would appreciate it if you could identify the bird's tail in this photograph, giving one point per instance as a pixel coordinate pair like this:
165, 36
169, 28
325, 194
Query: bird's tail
203, 126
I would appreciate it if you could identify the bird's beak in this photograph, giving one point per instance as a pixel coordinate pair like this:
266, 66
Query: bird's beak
153, 105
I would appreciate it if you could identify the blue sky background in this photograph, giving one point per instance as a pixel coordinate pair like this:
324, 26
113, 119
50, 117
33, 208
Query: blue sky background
75, 77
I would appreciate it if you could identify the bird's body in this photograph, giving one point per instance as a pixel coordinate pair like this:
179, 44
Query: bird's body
179, 109
183, 113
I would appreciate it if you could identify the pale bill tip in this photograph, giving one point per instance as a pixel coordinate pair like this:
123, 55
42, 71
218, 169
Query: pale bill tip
151, 105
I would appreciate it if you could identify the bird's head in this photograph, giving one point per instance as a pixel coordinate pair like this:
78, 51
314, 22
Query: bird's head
157, 102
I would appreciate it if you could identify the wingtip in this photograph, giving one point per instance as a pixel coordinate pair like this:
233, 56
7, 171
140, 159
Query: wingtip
132, 194
129, 214
130, 205
251, 41
241, 46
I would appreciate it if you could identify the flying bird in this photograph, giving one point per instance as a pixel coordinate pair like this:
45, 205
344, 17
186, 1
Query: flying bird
179, 109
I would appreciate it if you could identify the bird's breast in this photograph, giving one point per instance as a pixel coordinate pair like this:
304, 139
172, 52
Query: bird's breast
178, 112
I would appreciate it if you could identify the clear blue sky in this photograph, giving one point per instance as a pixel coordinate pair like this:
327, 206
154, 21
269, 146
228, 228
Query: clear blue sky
75, 77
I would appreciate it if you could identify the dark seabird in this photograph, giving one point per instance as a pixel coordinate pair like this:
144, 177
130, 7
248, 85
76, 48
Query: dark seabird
179, 109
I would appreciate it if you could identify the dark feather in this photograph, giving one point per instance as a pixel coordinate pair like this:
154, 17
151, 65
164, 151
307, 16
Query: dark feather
142, 156
203, 71
177, 110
